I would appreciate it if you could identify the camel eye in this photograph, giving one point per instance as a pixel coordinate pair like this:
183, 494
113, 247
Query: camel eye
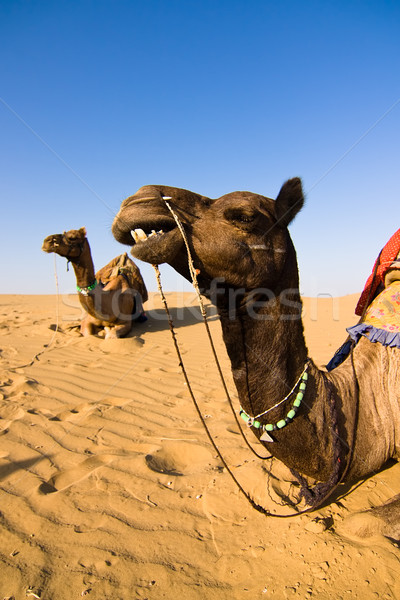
240, 216
71, 239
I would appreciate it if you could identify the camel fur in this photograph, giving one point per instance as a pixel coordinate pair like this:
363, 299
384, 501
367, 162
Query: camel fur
247, 266
116, 299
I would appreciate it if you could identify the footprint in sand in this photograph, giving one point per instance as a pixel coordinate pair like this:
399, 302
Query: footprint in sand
114, 402
73, 414
42, 412
179, 458
79, 411
64, 479
19, 385
8, 352
90, 522
9, 414
5, 381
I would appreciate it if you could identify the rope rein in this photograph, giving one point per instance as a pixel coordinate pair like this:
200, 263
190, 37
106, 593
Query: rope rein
194, 273
316, 496
320, 492
171, 326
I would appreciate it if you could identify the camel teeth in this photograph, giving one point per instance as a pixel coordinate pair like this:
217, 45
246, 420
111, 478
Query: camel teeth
139, 235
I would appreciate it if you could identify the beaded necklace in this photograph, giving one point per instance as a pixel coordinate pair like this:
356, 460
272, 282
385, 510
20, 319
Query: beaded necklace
86, 290
253, 422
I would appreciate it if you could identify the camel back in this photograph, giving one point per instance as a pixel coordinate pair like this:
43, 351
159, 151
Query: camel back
123, 265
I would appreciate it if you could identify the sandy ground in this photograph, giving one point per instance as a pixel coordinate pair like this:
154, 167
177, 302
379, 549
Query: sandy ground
110, 490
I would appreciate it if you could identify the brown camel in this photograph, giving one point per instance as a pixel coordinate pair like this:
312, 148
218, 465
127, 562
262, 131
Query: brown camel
112, 297
338, 426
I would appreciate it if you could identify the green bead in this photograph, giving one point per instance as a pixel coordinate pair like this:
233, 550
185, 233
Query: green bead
300, 396
281, 424
257, 424
291, 414
297, 402
302, 386
269, 427
305, 376
244, 417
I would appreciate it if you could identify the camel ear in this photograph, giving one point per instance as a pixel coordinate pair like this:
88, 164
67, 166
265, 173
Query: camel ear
83, 231
289, 201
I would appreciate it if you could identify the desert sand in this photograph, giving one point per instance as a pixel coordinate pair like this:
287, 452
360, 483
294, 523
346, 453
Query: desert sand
110, 490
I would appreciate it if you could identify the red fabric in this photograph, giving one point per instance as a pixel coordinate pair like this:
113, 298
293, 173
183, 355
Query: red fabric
387, 256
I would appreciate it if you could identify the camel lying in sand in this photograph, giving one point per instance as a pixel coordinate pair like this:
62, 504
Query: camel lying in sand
332, 427
113, 297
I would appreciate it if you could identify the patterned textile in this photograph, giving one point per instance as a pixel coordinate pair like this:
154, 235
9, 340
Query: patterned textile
381, 322
385, 260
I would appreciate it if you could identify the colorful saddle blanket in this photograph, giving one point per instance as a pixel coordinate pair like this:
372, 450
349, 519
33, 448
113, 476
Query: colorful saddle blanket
383, 263
381, 322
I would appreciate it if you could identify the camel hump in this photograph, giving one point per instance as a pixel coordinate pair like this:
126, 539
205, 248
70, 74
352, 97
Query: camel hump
119, 263
123, 265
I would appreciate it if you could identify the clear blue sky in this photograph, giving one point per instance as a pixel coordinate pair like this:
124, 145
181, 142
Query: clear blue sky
98, 98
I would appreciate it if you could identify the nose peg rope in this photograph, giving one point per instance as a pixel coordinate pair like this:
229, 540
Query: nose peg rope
194, 272
171, 326
251, 501
323, 494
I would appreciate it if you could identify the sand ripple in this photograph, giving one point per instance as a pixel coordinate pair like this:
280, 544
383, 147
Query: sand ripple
110, 490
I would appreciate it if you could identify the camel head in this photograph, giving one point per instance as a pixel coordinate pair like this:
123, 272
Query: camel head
68, 244
241, 238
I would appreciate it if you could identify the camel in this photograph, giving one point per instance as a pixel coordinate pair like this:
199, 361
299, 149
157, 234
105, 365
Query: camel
113, 297
338, 426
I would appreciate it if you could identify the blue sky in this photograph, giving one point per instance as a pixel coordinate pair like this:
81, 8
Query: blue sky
98, 98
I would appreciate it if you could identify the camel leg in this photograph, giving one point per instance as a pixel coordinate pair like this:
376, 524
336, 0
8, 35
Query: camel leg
382, 520
117, 331
88, 327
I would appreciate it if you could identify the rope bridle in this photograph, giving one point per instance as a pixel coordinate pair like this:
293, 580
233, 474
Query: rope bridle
73, 258
315, 496
193, 273
83, 291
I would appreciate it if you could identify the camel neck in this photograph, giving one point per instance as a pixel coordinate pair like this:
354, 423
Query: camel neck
266, 346
268, 353
83, 267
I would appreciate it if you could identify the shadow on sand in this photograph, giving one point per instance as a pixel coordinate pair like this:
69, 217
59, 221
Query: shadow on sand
157, 319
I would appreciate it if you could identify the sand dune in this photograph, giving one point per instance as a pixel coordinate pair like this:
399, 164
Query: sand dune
109, 488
